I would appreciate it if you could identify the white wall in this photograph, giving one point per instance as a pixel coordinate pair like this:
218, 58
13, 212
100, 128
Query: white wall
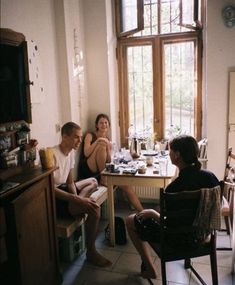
76, 61
112, 72
36, 20
100, 42
97, 58
220, 59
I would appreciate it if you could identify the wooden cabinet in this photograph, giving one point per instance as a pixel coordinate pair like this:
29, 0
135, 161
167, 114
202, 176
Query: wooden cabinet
32, 256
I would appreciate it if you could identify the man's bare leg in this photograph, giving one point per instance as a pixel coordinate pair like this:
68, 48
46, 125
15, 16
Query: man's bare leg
86, 187
92, 254
91, 228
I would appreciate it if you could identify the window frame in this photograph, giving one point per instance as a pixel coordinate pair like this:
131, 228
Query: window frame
157, 43
197, 10
119, 18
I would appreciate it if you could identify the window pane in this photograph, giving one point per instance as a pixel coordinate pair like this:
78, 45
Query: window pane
140, 87
164, 16
170, 14
179, 86
129, 15
150, 18
187, 7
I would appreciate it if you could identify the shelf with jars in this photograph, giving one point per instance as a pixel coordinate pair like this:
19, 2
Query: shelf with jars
16, 147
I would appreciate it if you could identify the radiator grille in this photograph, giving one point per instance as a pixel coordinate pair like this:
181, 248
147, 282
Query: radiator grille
147, 192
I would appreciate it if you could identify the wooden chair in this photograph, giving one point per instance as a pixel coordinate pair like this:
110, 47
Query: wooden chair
202, 144
180, 239
228, 189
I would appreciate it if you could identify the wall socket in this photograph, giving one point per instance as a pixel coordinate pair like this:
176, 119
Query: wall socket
57, 128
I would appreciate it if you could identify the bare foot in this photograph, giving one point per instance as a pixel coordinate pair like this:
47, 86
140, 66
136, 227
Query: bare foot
98, 260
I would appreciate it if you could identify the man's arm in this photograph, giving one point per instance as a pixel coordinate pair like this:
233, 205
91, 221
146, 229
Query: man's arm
64, 195
85, 204
70, 183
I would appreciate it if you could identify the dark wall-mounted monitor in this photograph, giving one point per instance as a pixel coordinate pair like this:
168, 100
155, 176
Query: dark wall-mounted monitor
15, 104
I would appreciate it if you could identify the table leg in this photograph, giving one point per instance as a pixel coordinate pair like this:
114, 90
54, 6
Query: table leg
111, 213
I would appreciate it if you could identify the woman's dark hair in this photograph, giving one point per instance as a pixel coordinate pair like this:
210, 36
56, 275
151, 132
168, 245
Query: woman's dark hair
101, 115
67, 128
188, 148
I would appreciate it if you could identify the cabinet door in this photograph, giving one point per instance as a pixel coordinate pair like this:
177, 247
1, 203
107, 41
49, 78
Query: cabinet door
35, 235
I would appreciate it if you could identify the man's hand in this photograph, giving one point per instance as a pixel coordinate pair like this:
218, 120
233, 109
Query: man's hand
87, 205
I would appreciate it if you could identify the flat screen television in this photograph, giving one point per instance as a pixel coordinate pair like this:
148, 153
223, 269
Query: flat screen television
15, 102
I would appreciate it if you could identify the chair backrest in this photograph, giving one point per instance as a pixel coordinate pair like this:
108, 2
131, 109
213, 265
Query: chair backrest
229, 175
202, 156
179, 211
228, 189
202, 144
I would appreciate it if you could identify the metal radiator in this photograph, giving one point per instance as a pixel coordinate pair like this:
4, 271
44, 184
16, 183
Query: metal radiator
147, 193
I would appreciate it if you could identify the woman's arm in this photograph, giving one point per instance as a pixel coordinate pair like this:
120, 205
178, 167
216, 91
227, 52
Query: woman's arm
89, 147
109, 151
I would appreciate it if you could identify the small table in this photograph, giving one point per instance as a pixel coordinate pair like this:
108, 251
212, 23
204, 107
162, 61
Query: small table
147, 179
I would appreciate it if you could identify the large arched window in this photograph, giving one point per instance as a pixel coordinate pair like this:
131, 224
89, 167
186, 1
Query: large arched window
160, 67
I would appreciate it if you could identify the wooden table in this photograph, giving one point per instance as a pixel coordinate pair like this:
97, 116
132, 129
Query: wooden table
147, 179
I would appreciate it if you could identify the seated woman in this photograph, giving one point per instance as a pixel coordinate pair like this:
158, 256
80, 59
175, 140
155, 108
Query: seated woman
96, 152
184, 154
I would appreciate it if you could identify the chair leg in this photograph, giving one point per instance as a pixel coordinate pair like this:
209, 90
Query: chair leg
214, 271
226, 220
228, 231
187, 263
163, 269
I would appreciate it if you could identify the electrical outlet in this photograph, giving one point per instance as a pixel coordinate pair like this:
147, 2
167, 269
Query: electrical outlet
232, 127
57, 128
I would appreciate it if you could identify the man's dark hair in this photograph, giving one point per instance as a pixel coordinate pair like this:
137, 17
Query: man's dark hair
67, 128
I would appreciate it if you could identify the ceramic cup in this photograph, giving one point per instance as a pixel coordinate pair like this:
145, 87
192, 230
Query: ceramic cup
149, 160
